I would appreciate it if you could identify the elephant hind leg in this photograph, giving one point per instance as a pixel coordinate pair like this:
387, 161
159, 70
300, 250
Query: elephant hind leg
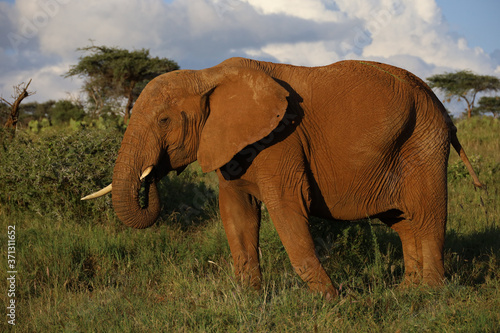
412, 253
412, 249
422, 238
432, 253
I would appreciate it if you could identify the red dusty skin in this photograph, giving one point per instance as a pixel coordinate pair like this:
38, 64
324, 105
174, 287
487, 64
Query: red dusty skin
127, 183
126, 204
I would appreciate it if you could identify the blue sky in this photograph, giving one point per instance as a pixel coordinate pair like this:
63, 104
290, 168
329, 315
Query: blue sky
477, 20
38, 39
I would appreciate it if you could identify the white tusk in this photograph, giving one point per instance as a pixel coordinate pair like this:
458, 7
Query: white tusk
146, 172
98, 194
108, 188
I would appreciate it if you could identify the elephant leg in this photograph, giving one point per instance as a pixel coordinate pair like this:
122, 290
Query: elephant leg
412, 253
293, 229
423, 231
421, 228
422, 241
433, 256
240, 213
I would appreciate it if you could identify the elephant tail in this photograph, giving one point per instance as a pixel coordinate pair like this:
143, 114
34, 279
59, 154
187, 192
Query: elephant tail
461, 152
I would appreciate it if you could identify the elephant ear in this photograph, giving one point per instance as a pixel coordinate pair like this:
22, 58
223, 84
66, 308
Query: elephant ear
246, 106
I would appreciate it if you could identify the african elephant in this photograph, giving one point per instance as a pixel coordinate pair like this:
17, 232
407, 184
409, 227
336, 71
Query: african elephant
347, 141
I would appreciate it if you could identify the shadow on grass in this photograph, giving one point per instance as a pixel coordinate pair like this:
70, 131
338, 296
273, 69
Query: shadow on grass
473, 258
187, 199
360, 254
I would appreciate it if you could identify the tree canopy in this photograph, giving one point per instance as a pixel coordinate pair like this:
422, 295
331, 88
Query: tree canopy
489, 105
464, 85
113, 73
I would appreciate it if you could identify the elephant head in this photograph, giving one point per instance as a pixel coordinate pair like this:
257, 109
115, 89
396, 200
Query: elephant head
208, 115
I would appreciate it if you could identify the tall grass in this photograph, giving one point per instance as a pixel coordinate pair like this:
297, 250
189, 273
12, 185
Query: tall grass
81, 270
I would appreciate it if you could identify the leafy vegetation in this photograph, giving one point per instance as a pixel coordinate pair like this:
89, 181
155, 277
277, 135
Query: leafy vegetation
79, 269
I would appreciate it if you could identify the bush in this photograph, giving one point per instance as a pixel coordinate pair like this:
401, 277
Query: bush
48, 174
457, 170
64, 110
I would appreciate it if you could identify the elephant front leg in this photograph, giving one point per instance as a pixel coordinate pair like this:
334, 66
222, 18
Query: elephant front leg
293, 229
240, 213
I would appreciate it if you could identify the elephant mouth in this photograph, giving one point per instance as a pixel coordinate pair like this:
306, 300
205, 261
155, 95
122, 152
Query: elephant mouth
148, 177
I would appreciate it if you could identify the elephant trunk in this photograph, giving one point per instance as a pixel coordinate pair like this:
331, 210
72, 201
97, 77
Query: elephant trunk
126, 198
127, 185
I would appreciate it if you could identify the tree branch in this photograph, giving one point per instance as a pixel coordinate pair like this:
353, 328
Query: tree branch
5, 101
20, 93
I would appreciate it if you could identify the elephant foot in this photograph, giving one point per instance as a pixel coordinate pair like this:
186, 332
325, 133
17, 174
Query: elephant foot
331, 295
253, 281
327, 291
410, 280
415, 280
256, 284
434, 281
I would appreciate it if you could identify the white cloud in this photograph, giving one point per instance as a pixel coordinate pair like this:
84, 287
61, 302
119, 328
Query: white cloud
303, 53
411, 34
47, 81
40, 37
121, 23
417, 29
309, 10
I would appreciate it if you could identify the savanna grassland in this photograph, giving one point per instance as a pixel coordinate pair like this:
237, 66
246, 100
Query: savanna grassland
80, 270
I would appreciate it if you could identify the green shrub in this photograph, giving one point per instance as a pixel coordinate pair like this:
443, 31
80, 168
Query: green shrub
44, 124
34, 126
75, 125
457, 170
62, 111
48, 174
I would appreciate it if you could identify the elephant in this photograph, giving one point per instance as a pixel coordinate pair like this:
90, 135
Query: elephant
347, 141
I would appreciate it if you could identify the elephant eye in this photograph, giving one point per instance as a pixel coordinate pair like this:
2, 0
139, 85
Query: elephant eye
163, 121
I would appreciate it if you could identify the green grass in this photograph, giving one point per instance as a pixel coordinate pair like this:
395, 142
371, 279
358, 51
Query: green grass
86, 272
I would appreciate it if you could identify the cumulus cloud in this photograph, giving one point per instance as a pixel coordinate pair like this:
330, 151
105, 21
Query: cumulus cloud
417, 29
316, 10
39, 38
409, 34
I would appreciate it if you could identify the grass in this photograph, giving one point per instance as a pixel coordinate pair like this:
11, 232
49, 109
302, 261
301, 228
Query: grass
89, 273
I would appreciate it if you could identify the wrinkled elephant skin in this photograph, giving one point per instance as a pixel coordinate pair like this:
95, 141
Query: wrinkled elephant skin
347, 141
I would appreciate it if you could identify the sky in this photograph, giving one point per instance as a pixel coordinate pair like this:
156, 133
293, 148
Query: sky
38, 39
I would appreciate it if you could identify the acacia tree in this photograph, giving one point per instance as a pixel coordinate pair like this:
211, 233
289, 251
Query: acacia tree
464, 85
114, 73
489, 105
